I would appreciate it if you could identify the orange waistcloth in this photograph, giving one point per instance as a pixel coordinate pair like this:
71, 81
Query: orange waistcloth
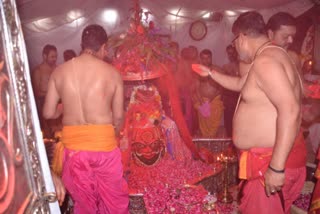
254, 162
84, 138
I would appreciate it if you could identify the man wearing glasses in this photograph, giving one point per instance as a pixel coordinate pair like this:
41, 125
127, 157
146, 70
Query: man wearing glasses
266, 121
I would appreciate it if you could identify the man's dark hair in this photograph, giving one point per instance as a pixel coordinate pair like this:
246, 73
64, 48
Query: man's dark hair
281, 18
249, 23
47, 48
69, 54
206, 52
93, 37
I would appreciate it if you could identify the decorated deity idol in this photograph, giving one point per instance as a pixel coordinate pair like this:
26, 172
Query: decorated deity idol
149, 134
147, 145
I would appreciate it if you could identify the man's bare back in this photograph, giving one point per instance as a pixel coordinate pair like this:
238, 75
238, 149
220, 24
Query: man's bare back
256, 116
90, 89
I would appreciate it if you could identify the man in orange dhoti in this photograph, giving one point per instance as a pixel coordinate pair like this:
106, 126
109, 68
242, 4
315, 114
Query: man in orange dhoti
88, 155
267, 119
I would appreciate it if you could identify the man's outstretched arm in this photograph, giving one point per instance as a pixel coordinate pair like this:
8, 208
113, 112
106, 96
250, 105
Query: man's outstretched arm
229, 82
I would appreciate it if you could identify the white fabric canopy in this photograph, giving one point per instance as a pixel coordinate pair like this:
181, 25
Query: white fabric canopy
61, 22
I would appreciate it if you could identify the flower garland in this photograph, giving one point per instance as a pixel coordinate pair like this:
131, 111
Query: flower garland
141, 51
145, 102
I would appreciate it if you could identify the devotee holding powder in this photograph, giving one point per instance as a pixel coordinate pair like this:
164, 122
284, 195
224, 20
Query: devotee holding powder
207, 100
40, 79
92, 97
266, 121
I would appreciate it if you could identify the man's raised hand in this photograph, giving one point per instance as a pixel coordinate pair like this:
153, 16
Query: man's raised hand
201, 70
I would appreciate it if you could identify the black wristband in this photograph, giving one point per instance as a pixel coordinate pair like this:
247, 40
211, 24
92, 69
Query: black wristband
275, 170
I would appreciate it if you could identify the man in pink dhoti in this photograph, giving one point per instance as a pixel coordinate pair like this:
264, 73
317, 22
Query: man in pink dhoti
267, 119
88, 156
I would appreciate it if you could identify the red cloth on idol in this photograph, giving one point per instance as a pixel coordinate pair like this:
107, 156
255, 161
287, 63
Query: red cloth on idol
177, 115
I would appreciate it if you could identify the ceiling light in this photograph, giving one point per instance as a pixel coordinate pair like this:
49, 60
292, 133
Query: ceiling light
206, 15
110, 16
230, 13
74, 14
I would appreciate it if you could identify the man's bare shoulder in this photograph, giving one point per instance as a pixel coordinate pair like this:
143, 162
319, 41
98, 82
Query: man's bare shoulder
110, 70
269, 61
273, 55
60, 70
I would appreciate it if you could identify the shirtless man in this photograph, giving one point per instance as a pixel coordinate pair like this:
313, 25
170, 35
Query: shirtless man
281, 29
69, 54
40, 79
266, 121
207, 100
91, 92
